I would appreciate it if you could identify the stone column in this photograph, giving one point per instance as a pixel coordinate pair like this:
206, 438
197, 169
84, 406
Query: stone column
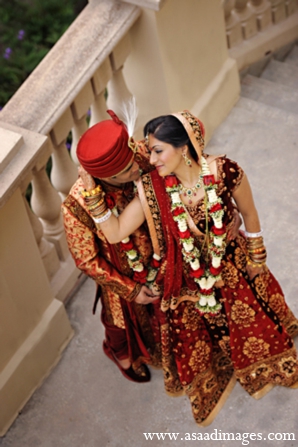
262, 10
99, 84
46, 204
233, 24
118, 92
247, 17
47, 250
291, 7
80, 108
278, 10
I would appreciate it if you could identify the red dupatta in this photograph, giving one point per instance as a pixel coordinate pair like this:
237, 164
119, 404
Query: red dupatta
173, 259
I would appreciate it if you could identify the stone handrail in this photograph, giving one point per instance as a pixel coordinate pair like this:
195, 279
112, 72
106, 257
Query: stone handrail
83, 48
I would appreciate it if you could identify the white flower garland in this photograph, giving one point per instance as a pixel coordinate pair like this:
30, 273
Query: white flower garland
141, 273
204, 276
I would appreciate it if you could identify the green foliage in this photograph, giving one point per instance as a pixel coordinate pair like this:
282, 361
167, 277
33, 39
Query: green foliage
28, 30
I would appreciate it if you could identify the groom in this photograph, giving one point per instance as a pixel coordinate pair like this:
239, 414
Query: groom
104, 153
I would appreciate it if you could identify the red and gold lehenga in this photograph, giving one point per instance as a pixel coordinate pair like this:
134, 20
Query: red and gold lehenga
249, 340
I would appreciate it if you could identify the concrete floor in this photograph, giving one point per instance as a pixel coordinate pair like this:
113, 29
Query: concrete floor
86, 402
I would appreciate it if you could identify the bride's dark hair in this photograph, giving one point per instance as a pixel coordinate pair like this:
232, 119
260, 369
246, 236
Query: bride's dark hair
167, 128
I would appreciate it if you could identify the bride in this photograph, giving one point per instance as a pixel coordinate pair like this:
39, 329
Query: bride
221, 316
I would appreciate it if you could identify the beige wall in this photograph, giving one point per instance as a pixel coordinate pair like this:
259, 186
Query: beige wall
179, 60
193, 47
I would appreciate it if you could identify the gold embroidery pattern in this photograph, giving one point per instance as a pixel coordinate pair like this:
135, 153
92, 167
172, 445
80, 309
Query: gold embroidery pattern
221, 175
224, 345
235, 168
197, 213
277, 304
115, 308
191, 318
242, 314
84, 249
230, 275
240, 259
261, 288
290, 322
170, 373
195, 127
106, 305
154, 208
207, 387
79, 212
288, 365
255, 348
143, 319
199, 359
218, 320
280, 369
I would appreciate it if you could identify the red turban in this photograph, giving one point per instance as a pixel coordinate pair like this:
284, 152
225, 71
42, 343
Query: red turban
103, 149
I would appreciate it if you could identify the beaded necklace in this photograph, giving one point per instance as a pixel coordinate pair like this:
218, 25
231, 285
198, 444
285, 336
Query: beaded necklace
191, 191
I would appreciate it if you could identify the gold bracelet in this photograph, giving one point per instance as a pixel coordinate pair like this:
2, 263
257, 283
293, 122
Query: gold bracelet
254, 240
99, 212
96, 205
258, 244
92, 192
255, 264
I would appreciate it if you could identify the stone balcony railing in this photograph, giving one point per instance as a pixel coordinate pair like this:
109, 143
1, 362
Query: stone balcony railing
123, 47
257, 28
55, 100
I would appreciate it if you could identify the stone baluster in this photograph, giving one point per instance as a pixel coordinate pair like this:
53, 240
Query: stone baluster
79, 109
64, 172
262, 10
99, 82
291, 7
80, 127
118, 92
46, 204
278, 9
247, 18
47, 249
233, 24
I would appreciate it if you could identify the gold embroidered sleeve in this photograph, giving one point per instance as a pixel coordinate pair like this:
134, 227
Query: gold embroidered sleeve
86, 251
233, 174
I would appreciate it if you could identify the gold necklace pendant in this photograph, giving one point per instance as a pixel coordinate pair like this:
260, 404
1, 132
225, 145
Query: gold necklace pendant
190, 192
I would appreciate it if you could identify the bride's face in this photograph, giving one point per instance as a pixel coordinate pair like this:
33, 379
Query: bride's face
165, 157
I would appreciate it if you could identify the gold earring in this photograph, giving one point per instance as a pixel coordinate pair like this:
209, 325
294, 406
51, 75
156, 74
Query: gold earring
187, 160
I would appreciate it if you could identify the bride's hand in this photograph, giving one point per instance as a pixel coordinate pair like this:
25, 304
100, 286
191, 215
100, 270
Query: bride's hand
254, 270
88, 180
236, 224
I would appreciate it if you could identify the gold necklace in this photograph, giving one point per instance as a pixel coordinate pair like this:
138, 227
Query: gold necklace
189, 192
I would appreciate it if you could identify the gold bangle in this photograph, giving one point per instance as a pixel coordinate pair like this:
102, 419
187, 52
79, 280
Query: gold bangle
100, 210
92, 192
254, 240
259, 244
257, 250
255, 264
96, 205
